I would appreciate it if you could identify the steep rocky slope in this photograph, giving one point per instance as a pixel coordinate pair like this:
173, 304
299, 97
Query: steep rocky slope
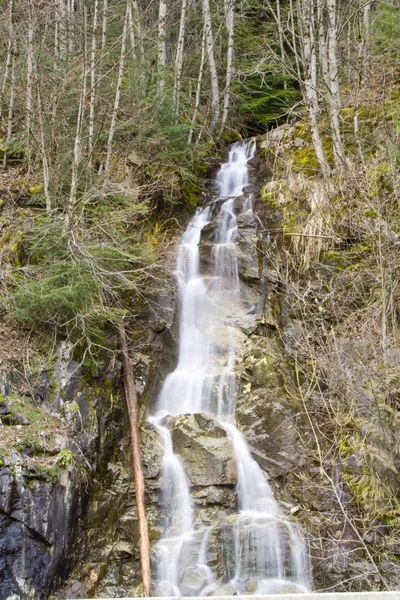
317, 404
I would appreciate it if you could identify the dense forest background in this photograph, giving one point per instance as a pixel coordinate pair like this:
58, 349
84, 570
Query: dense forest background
117, 109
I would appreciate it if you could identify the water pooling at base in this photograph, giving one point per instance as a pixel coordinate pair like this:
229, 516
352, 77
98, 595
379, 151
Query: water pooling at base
260, 550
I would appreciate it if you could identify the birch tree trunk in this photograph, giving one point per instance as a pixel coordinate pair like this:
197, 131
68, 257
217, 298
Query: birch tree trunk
92, 85
103, 33
62, 28
117, 93
29, 86
131, 29
9, 54
322, 46
212, 66
162, 52
138, 27
179, 57
310, 80
131, 401
70, 214
230, 26
45, 163
294, 41
280, 37
198, 88
56, 42
334, 95
10, 107
363, 60
71, 25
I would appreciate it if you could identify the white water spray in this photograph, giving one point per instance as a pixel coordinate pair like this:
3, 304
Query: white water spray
262, 551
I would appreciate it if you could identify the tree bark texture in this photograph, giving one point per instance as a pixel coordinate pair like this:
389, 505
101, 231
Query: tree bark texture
230, 26
179, 56
162, 52
211, 65
131, 401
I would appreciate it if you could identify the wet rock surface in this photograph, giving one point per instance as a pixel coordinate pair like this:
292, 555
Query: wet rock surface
205, 449
39, 528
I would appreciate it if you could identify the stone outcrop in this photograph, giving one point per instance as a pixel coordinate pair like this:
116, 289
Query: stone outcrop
205, 450
39, 528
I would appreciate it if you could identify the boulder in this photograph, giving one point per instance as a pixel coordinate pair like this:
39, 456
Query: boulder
194, 580
205, 449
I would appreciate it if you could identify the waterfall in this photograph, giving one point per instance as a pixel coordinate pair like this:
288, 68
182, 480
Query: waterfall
262, 552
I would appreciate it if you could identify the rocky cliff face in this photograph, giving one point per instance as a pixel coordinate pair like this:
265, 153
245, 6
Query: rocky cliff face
67, 505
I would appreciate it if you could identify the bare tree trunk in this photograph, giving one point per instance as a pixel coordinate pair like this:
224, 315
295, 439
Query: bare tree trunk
136, 17
62, 28
56, 43
179, 57
363, 60
92, 85
334, 89
10, 108
322, 45
29, 86
310, 80
131, 401
103, 33
230, 25
9, 55
366, 32
131, 32
280, 36
198, 88
294, 41
212, 66
45, 164
117, 93
162, 53
70, 214
71, 25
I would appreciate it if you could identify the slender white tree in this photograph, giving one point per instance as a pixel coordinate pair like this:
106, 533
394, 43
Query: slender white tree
43, 148
92, 83
162, 50
9, 54
29, 85
215, 109
334, 85
117, 93
138, 28
230, 26
179, 56
71, 208
131, 28
10, 107
61, 20
103, 33
198, 87
310, 83
281, 36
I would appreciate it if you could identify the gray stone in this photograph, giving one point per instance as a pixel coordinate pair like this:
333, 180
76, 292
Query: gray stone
18, 419
152, 451
193, 581
38, 522
205, 449
4, 409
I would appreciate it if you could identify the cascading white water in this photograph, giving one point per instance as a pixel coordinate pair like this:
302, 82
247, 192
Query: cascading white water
258, 543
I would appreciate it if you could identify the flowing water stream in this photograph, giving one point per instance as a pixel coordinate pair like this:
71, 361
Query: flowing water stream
261, 551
